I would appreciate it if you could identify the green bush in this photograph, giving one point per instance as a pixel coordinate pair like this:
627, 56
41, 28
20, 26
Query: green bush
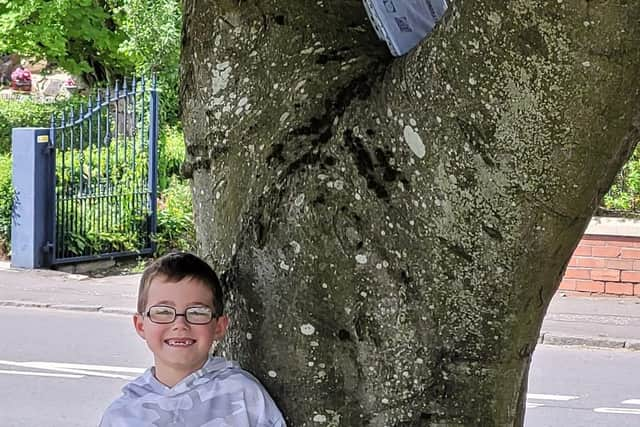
23, 113
175, 218
175, 212
171, 152
6, 203
624, 194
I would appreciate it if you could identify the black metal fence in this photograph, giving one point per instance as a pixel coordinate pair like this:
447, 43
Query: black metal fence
105, 173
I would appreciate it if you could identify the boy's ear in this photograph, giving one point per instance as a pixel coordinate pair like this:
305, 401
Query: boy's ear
138, 323
222, 323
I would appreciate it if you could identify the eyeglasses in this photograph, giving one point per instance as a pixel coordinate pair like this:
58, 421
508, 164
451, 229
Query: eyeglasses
194, 315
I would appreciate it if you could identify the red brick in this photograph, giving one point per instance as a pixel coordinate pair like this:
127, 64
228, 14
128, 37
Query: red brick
622, 241
568, 285
636, 265
607, 275
631, 253
620, 264
577, 273
606, 251
590, 262
618, 288
582, 251
636, 289
636, 243
630, 276
589, 286
592, 241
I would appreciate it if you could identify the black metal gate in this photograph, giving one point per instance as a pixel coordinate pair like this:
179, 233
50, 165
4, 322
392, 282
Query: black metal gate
105, 173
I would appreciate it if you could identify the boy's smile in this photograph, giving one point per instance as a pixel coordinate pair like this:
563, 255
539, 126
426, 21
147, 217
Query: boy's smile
179, 342
179, 347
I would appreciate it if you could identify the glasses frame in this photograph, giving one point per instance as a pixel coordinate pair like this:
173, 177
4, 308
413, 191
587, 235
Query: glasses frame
147, 314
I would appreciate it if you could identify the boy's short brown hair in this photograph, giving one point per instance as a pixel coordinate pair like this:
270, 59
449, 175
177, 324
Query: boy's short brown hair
175, 267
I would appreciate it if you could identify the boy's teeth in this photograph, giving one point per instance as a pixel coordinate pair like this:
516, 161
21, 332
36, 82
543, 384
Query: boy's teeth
180, 342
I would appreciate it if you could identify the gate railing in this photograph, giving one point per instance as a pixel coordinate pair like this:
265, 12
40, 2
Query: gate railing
100, 164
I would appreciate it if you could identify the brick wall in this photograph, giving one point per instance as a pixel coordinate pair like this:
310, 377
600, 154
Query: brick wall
604, 264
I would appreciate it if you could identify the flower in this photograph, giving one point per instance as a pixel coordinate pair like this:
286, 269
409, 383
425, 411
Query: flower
70, 82
21, 74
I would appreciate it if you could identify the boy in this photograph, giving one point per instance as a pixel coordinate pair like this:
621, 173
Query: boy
402, 24
180, 316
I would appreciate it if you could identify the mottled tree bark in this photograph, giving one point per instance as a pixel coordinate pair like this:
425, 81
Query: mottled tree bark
392, 230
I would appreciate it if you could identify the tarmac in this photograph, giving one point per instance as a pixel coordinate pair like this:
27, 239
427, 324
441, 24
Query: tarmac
572, 318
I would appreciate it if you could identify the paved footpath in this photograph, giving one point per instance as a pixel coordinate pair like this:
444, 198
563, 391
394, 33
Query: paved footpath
59, 290
596, 321
572, 319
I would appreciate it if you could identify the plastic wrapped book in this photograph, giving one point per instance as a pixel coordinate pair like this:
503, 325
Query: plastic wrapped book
402, 24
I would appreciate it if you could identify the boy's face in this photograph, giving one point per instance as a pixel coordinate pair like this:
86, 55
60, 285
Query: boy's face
179, 348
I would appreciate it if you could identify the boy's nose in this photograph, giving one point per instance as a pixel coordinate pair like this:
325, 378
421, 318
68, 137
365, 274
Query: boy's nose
180, 322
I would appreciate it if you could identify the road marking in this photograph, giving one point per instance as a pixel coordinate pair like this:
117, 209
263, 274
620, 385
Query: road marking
626, 411
534, 405
39, 374
558, 397
100, 368
77, 371
80, 370
631, 402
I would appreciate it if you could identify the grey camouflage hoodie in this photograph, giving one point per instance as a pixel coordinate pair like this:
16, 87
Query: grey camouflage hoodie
220, 394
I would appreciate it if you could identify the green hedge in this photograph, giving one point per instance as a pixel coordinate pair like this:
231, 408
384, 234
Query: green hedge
6, 203
624, 195
24, 113
175, 211
171, 153
176, 230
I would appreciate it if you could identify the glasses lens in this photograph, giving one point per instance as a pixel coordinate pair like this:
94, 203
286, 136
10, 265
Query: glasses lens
160, 314
199, 315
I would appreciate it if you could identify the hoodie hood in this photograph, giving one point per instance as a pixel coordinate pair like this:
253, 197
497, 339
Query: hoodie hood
147, 383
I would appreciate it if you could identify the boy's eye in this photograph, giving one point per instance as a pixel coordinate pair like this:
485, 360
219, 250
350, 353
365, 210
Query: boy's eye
199, 311
161, 314
199, 314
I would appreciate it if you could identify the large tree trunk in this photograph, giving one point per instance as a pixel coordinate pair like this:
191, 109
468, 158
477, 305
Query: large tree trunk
392, 229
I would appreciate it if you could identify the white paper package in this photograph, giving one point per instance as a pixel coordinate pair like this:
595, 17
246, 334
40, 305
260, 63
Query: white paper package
402, 24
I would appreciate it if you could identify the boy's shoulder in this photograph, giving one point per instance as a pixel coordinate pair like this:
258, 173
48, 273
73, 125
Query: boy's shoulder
221, 389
